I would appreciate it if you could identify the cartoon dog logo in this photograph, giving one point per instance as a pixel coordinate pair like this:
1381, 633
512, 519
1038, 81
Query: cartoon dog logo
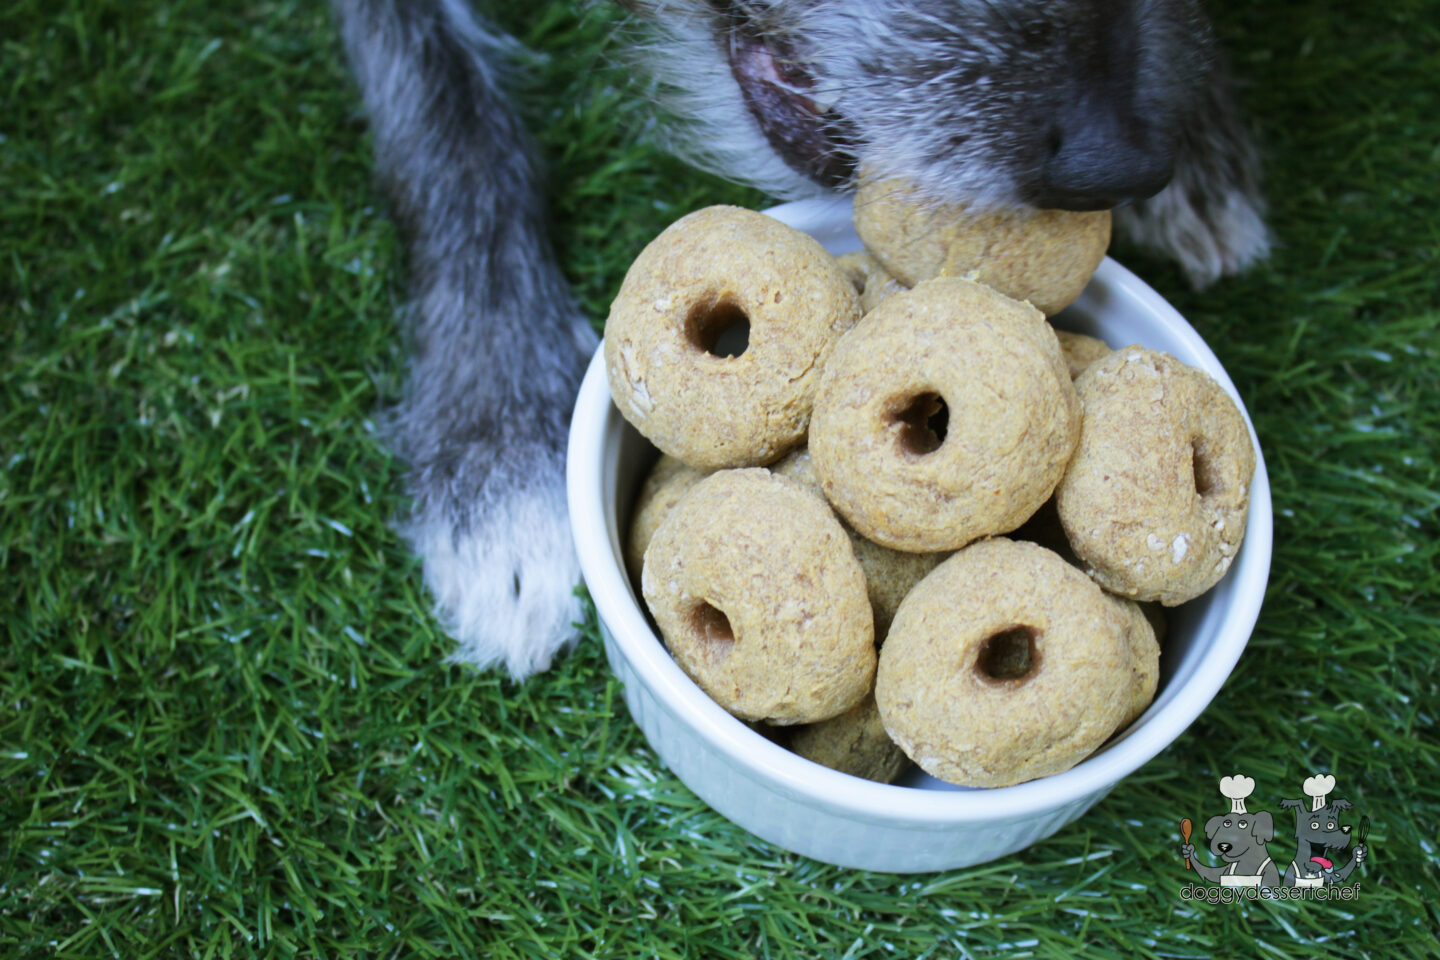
1318, 833
1238, 839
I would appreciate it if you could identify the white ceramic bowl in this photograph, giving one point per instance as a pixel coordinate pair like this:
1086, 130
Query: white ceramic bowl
922, 824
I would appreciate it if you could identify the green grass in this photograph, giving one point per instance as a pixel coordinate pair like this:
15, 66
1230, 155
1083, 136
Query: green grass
227, 727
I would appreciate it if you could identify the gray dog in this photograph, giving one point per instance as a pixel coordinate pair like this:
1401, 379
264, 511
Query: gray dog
1238, 839
1317, 833
1070, 104
1239, 842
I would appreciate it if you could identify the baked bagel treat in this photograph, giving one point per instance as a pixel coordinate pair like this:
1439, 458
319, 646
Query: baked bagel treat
1159, 622
1003, 665
760, 599
858, 266
1045, 257
708, 273
946, 415
667, 482
1080, 351
889, 574
871, 280
1144, 658
1154, 501
879, 288
855, 742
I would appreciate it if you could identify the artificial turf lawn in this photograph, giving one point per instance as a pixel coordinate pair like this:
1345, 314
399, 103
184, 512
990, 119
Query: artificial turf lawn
227, 727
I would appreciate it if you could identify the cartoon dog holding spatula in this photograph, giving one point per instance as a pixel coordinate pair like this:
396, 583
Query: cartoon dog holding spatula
1238, 839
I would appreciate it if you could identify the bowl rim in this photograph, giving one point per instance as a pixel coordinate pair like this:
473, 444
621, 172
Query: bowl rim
841, 793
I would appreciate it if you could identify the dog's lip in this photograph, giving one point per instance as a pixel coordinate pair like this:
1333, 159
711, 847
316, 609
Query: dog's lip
1075, 204
779, 94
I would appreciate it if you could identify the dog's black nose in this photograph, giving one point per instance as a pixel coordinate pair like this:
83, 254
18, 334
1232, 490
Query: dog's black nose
1225, 847
1097, 159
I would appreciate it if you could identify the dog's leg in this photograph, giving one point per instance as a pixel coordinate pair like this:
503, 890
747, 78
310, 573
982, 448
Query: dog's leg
497, 344
1211, 217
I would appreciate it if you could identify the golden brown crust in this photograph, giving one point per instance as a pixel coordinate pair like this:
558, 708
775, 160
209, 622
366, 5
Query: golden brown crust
703, 273
1045, 257
879, 288
1155, 613
889, 574
870, 279
1013, 418
1154, 501
668, 481
1080, 351
1144, 658
761, 601
858, 266
1003, 665
855, 742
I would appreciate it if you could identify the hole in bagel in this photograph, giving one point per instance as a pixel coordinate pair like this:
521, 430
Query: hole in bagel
1202, 467
719, 327
1009, 655
923, 421
712, 629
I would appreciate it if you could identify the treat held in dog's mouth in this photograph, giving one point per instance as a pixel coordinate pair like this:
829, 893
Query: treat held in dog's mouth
1092, 151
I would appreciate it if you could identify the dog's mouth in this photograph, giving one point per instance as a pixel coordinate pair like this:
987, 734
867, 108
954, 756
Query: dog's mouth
1319, 847
780, 93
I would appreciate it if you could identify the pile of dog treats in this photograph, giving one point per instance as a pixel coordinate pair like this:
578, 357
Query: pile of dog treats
903, 518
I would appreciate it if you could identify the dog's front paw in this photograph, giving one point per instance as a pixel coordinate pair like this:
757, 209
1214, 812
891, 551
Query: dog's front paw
498, 558
1211, 217
1187, 850
1209, 231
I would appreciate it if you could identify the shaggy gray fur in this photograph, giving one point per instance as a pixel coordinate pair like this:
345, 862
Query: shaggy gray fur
1077, 104
971, 99
497, 343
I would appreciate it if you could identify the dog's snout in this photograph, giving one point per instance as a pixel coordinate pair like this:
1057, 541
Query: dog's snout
1094, 160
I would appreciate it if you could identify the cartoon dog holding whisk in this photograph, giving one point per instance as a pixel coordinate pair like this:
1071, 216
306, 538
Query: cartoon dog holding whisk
1318, 833
1238, 839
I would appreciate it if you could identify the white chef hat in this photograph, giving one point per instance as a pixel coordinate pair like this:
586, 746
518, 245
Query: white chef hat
1236, 789
1317, 787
